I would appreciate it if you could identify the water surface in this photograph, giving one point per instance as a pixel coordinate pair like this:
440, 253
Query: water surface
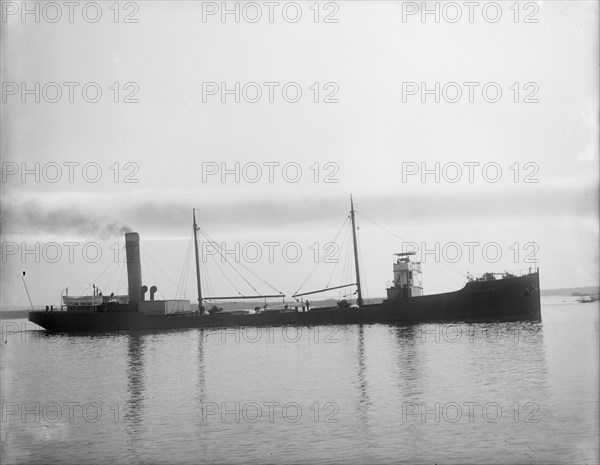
493, 393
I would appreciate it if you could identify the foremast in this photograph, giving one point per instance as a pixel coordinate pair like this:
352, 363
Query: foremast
195, 226
359, 300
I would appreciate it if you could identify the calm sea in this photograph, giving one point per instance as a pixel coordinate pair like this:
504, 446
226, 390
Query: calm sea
483, 393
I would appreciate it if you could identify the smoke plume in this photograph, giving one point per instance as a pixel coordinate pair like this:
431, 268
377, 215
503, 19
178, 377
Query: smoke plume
32, 217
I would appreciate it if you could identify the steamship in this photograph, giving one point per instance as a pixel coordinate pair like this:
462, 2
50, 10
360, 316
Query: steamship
489, 298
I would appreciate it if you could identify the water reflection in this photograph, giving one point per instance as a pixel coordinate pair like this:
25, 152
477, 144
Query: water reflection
133, 410
482, 351
410, 386
363, 397
363, 401
407, 360
204, 430
160, 378
200, 366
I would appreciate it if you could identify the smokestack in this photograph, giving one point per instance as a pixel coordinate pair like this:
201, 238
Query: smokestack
134, 266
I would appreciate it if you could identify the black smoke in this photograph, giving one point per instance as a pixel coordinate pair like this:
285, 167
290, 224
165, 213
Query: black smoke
31, 217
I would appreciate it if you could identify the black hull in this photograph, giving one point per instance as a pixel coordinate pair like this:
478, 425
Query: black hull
511, 299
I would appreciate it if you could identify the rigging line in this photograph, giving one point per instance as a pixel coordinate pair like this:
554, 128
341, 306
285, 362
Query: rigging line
186, 276
182, 283
119, 265
185, 272
362, 266
152, 277
349, 264
349, 261
111, 277
242, 265
364, 280
121, 275
348, 269
360, 258
396, 235
345, 275
344, 241
99, 276
312, 272
146, 255
248, 270
180, 280
342, 228
207, 278
319, 262
188, 272
205, 272
220, 269
382, 227
243, 277
209, 287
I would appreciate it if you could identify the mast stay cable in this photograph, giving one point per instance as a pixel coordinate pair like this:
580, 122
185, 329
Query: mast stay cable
224, 256
319, 262
403, 240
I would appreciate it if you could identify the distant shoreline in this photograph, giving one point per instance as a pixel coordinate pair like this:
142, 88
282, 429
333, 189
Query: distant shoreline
571, 291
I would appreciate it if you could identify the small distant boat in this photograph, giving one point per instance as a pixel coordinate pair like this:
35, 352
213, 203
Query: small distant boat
492, 297
587, 298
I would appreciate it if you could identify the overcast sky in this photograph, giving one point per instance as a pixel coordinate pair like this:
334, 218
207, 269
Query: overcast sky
369, 60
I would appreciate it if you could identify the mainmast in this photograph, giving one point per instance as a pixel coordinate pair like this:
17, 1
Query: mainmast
359, 300
195, 226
